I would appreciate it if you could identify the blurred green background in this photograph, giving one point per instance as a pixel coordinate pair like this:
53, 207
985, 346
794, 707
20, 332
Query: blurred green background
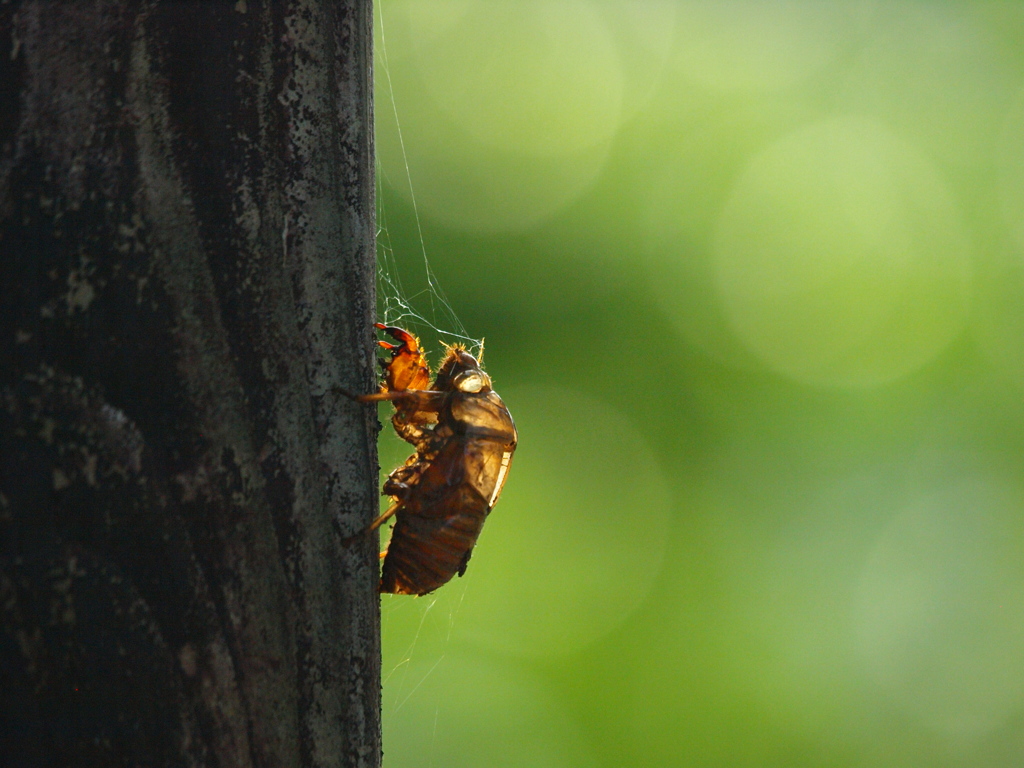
751, 277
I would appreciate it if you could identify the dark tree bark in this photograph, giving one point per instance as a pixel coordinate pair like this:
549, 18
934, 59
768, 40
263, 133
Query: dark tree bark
187, 241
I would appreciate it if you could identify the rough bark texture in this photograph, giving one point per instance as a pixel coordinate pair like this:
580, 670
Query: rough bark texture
186, 233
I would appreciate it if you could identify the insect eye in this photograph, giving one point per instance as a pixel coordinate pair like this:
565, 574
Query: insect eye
470, 382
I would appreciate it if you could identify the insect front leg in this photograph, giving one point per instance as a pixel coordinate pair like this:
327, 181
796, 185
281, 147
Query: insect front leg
415, 411
413, 427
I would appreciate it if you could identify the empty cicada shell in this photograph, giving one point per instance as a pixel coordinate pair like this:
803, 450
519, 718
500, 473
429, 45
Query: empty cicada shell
464, 438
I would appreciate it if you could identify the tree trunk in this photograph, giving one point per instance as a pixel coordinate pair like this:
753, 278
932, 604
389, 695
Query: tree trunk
187, 240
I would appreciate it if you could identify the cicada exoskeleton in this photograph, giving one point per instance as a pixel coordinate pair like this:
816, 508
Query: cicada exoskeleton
464, 438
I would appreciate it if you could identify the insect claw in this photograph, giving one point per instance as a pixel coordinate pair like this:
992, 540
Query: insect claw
409, 341
407, 369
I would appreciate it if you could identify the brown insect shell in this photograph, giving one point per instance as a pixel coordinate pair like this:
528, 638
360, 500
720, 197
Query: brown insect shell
472, 443
408, 368
465, 460
488, 434
481, 419
439, 521
456, 361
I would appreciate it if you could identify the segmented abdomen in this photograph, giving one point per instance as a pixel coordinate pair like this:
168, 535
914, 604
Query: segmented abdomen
426, 552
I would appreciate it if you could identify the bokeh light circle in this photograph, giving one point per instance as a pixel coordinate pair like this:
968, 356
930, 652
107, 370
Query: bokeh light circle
506, 112
576, 540
534, 77
940, 610
644, 34
841, 258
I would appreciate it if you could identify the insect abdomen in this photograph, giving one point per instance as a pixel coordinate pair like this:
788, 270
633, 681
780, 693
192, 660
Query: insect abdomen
426, 552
